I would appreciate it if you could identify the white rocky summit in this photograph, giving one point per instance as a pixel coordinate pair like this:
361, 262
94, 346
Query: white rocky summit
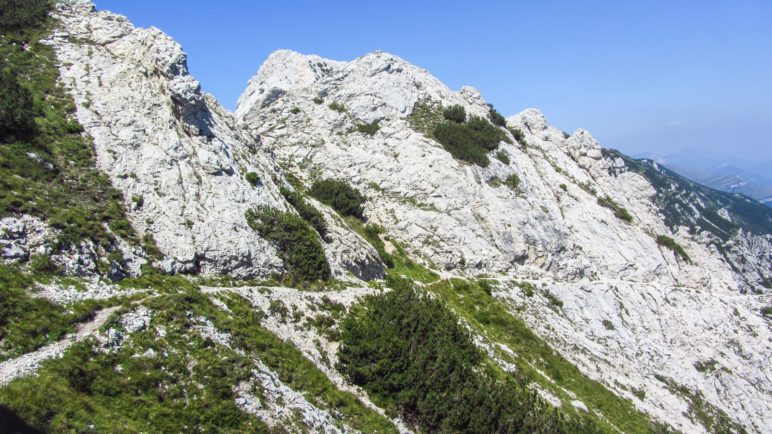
582, 225
177, 156
632, 310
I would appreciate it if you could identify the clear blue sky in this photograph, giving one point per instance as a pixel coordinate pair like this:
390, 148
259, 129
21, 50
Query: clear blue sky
656, 76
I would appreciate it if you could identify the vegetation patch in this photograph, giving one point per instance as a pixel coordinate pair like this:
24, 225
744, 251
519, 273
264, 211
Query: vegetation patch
495, 117
425, 115
47, 167
491, 319
310, 214
469, 141
252, 178
28, 323
512, 181
413, 356
340, 196
619, 212
338, 107
519, 136
398, 262
667, 242
502, 156
455, 113
708, 415
175, 381
369, 128
298, 244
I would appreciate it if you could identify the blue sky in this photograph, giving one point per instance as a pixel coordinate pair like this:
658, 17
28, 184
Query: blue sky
654, 76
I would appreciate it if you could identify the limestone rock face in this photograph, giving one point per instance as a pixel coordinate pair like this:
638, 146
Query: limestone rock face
557, 228
178, 157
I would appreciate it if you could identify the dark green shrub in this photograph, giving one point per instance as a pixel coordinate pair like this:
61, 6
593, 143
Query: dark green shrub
457, 139
17, 109
470, 141
368, 129
766, 311
22, 14
512, 181
318, 100
306, 211
338, 107
563, 187
496, 118
252, 178
503, 157
667, 242
295, 110
619, 211
518, 134
340, 196
297, 243
455, 113
412, 356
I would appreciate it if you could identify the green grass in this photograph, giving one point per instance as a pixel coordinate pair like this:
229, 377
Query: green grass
187, 386
28, 323
398, 263
61, 185
665, 241
708, 415
338, 107
619, 212
489, 317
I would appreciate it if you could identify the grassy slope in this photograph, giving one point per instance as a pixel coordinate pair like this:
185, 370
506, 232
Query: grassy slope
492, 320
62, 186
188, 383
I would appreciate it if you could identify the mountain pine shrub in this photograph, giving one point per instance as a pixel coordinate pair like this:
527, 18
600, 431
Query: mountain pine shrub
454, 113
252, 178
369, 129
17, 109
297, 243
413, 357
23, 14
495, 117
340, 196
306, 211
469, 141
512, 181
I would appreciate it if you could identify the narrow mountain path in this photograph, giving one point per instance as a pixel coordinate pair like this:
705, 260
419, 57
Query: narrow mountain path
28, 363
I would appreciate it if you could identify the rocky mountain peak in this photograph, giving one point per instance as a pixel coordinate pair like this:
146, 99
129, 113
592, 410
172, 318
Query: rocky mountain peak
611, 286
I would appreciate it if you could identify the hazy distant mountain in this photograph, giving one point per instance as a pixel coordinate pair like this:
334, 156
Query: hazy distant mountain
722, 172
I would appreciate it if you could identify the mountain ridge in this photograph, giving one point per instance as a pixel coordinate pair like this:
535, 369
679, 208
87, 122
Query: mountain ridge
553, 234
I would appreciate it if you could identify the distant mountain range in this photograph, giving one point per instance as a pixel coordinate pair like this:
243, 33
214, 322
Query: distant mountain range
721, 172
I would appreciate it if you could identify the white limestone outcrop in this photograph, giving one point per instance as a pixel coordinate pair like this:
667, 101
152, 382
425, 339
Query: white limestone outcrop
668, 314
177, 156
